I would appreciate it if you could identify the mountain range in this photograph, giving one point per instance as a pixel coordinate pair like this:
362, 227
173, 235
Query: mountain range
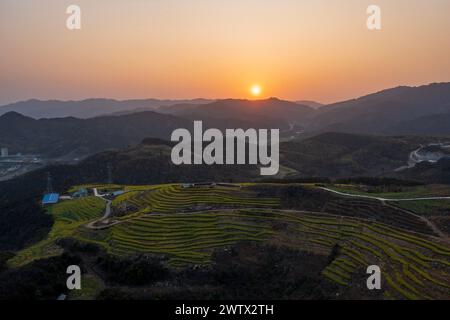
400, 110
311, 104
269, 113
89, 108
73, 138
394, 111
423, 111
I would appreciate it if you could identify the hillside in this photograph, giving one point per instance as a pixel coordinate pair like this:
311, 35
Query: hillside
22, 220
228, 236
193, 233
427, 172
332, 155
270, 113
435, 124
391, 111
311, 104
346, 155
74, 138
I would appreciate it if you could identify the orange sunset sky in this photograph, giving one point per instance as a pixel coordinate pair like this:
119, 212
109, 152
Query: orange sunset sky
318, 50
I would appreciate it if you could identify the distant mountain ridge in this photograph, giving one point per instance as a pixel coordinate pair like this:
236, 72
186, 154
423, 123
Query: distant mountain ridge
336, 155
423, 111
310, 103
88, 108
270, 113
72, 137
386, 112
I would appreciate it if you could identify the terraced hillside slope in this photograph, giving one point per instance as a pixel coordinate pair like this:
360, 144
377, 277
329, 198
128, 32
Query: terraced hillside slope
188, 224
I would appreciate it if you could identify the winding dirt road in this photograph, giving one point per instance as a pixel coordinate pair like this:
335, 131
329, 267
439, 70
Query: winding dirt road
103, 222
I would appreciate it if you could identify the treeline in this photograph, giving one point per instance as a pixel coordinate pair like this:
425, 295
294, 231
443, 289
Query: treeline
379, 181
297, 180
369, 181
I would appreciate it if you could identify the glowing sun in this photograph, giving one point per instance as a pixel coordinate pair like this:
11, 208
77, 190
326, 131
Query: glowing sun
256, 90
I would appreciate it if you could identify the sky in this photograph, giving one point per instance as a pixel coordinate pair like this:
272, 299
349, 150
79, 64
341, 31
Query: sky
293, 49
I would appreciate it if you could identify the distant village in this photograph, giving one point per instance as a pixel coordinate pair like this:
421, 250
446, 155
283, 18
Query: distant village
14, 165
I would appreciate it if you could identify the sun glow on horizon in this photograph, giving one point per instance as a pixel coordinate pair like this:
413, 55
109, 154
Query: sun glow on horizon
219, 49
256, 90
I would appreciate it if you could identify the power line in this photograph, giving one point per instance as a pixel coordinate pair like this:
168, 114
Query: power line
49, 183
109, 171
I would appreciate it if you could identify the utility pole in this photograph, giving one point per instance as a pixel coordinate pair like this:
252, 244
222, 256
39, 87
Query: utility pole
109, 170
49, 183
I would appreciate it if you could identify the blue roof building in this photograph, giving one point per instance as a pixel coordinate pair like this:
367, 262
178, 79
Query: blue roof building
50, 198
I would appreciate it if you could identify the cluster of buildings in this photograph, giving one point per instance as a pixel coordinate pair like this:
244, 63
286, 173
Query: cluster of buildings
14, 165
54, 198
5, 157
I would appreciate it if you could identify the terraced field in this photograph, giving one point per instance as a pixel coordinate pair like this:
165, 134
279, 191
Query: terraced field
185, 237
174, 198
187, 224
376, 211
71, 216
414, 267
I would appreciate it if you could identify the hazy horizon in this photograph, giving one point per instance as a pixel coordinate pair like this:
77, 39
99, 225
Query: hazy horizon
320, 51
215, 99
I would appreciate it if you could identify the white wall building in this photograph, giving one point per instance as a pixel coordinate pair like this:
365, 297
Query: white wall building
4, 152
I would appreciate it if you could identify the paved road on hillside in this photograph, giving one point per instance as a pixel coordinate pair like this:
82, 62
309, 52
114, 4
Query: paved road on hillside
106, 215
434, 227
382, 199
